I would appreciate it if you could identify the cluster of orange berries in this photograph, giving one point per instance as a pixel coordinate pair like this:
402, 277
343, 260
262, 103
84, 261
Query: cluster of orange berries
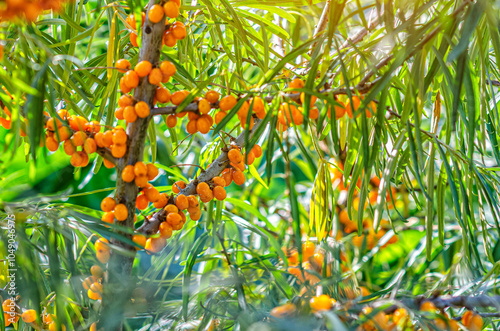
27, 9
11, 316
173, 32
141, 173
229, 101
93, 284
102, 250
312, 263
79, 137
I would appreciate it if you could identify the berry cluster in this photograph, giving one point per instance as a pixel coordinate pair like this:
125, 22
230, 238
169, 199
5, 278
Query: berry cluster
229, 101
27, 9
12, 312
93, 284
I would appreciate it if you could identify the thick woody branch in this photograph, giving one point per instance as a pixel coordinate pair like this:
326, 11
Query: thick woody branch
218, 165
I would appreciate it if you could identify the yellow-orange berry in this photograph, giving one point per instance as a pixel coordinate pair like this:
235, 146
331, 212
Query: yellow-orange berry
177, 186
181, 202
139, 239
129, 114
257, 151
142, 109
152, 171
219, 193
108, 204
212, 96
178, 97
108, 217
155, 77
203, 106
131, 79
168, 68
171, 9
235, 156
143, 68
218, 181
141, 181
428, 306
154, 245
165, 230
152, 194
29, 316
283, 311
169, 39
118, 151
179, 30
219, 116
128, 173
140, 169
161, 202
322, 302
202, 188
156, 13
121, 212
89, 146
96, 271
133, 39
227, 102
171, 121
238, 177
308, 249
162, 95
123, 65
141, 202
297, 83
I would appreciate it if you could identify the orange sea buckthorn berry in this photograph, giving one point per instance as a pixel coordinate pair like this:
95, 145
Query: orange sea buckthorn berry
131, 79
191, 127
119, 137
152, 194
178, 97
181, 202
91, 294
141, 202
257, 151
171, 9
193, 201
428, 306
308, 249
472, 321
203, 124
77, 123
96, 271
123, 65
118, 151
179, 30
29, 316
219, 193
219, 116
108, 204
155, 77
227, 102
68, 147
154, 245
76, 159
78, 138
141, 181
238, 177
202, 188
165, 230
133, 39
102, 245
172, 209
63, 133
156, 13
121, 212
219, 181
161, 202
51, 144
152, 171
90, 146
227, 176
174, 219
303, 99
140, 169
313, 113
139, 239
212, 96
168, 68
129, 114
286, 310
171, 121
322, 302
235, 156
142, 109
203, 106
162, 95
169, 39
128, 173
143, 68
399, 315
296, 83
108, 217
123, 86
351, 108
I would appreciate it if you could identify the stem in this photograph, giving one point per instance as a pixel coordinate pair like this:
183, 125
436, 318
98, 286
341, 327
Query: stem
118, 283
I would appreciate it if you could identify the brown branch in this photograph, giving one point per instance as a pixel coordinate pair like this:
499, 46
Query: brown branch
322, 24
218, 165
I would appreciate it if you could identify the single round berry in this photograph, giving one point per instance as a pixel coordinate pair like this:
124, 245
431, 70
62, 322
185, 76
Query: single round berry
171, 9
219, 193
227, 102
142, 109
121, 212
123, 65
143, 68
128, 174
140, 169
168, 68
108, 204
156, 13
